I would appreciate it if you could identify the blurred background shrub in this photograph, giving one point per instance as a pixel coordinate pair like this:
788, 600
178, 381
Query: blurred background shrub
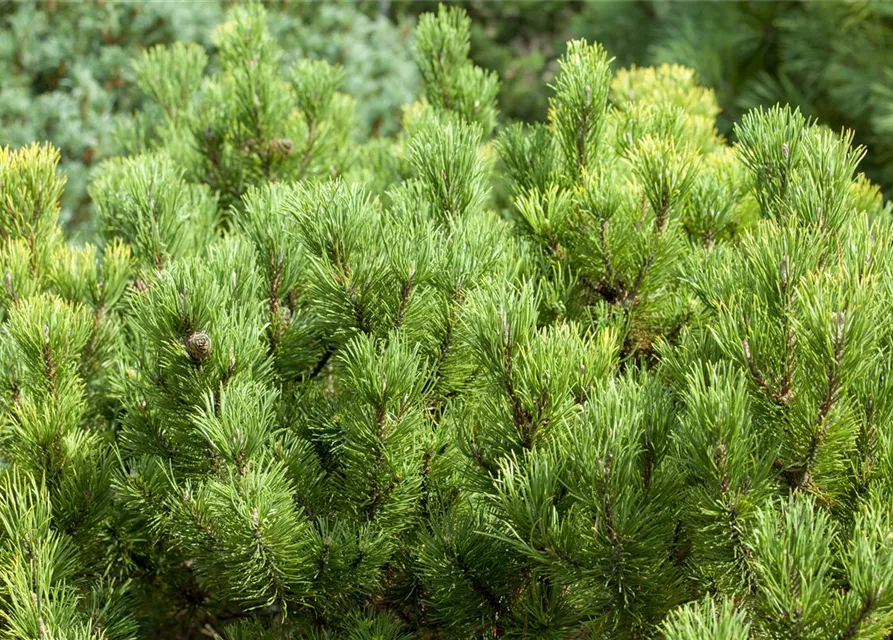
66, 70
65, 73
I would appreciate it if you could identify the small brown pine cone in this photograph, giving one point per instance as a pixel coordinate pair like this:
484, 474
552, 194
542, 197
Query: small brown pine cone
198, 345
282, 146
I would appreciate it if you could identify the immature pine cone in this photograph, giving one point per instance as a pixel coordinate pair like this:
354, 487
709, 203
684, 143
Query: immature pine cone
198, 345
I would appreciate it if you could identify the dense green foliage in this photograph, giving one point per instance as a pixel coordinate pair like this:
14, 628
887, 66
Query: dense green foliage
831, 59
66, 74
605, 376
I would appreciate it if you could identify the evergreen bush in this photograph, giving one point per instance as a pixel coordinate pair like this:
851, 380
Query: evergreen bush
311, 387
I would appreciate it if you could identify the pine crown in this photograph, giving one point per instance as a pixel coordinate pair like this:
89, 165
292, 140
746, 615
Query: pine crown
602, 377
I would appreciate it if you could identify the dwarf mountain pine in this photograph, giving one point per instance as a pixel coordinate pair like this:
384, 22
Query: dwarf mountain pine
602, 377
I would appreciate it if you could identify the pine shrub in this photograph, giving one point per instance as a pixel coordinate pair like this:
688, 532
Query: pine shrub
602, 377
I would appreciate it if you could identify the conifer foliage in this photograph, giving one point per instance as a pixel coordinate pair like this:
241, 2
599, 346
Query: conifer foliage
601, 377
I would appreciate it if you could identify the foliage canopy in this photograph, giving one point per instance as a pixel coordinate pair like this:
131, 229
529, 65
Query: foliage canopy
605, 376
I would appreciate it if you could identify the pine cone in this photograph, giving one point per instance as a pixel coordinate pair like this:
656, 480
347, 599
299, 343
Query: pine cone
282, 146
198, 345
